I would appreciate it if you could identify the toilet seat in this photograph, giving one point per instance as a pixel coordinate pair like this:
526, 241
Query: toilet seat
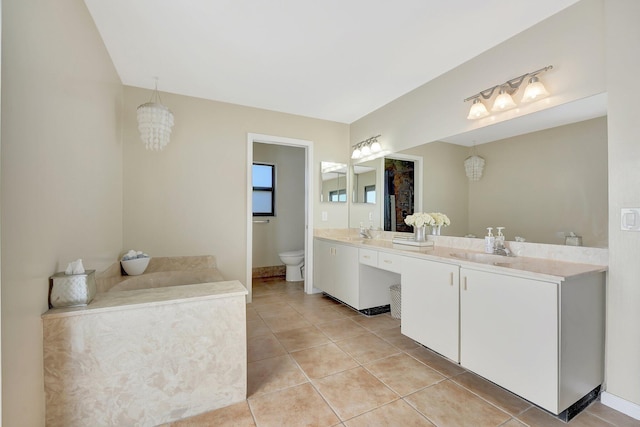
299, 252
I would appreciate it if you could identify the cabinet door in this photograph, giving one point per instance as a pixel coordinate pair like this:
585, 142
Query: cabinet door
430, 303
509, 333
346, 274
323, 268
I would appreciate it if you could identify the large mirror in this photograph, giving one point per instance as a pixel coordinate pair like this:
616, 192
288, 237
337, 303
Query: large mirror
543, 179
333, 178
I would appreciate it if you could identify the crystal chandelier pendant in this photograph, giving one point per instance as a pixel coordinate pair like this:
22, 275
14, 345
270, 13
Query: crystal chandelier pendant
154, 123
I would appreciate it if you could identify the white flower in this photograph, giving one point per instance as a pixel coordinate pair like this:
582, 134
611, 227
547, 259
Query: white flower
418, 219
440, 219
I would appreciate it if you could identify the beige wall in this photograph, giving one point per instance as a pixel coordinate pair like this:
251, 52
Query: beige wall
61, 176
285, 231
445, 185
543, 183
190, 199
623, 309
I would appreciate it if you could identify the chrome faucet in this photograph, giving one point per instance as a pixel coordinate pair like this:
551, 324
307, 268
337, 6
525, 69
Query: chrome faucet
365, 233
500, 249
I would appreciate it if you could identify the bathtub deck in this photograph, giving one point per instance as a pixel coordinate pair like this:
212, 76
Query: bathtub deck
123, 300
146, 357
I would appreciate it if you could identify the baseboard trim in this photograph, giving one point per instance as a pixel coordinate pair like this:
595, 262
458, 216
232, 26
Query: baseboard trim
620, 405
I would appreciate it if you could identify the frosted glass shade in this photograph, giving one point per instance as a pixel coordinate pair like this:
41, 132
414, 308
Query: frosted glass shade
535, 90
478, 110
503, 102
154, 124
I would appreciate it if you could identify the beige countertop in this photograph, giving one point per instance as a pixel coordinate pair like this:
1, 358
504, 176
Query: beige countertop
123, 300
547, 269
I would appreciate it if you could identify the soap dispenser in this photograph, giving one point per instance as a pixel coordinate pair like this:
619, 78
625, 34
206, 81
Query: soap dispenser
500, 237
489, 241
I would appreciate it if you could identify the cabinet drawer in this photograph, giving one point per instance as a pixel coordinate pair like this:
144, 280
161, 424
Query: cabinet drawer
369, 257
390, 262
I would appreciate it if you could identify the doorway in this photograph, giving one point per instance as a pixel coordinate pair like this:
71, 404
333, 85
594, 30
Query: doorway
307, 148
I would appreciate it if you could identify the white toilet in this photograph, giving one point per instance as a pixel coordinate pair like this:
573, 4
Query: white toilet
294, 260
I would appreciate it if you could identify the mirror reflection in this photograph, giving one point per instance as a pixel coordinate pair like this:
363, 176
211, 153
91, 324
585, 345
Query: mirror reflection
333, 178
364, 182
544, 186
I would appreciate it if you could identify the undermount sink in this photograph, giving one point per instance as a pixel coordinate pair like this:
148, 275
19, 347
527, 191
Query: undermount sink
485, 258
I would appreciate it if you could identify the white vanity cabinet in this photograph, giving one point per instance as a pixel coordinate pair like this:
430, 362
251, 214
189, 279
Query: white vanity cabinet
430, 304
336, 270
542, 340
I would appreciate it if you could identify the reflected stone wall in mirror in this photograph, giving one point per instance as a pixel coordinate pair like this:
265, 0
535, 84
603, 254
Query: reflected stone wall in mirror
364, 182
333, 179
541, 185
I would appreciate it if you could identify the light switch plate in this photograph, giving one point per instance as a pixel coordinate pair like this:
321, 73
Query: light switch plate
325, 216
630, 219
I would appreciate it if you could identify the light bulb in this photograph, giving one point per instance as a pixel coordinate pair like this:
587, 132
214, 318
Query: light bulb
535, 90
365, 150
503, 101
356, 154
376, 147
478, 110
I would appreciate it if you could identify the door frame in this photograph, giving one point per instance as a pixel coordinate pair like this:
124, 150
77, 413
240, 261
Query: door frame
308, 205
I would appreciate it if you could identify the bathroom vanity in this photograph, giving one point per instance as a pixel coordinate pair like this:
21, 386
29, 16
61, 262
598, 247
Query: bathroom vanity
534, 326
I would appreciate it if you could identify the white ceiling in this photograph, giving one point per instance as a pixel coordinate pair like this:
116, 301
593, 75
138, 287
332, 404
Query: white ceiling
330, 59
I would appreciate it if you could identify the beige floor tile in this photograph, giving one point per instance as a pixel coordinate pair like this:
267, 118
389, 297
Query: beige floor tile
367, 348
285, 321
237, 415
341, 329
257, 327
500, 397
513, 423
264, 347
437, 362
447, 404
273, 374
395, 337
377, 323
611, 415
252, 314
299, 339
347, 311
324, 360
321, 315
296, 406
398, 413
403, 374
535, 417
274, 309
354, 392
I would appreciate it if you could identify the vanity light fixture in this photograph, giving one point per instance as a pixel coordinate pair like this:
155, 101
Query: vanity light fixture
154, 122
504, 101
368, 149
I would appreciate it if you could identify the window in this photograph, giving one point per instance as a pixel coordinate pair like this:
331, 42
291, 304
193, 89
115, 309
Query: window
338, 195
264, 189
370, 194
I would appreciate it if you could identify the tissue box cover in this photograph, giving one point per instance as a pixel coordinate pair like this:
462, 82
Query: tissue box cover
70, 290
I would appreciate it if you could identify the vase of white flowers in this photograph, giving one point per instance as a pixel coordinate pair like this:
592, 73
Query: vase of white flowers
439, 220
419, 221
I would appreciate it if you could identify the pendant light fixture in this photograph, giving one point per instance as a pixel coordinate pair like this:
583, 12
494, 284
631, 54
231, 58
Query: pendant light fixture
474, 166
504, 100
154, 122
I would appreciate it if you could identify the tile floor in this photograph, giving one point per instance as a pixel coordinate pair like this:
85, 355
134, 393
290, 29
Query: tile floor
314, 362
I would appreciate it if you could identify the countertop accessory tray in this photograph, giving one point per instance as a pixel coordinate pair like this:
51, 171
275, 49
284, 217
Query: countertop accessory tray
411, 242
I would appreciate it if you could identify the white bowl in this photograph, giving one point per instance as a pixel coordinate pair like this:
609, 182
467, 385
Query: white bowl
135, 267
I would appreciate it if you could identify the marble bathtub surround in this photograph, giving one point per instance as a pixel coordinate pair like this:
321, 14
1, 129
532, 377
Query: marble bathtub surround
146, 357
535, 253
161, 271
